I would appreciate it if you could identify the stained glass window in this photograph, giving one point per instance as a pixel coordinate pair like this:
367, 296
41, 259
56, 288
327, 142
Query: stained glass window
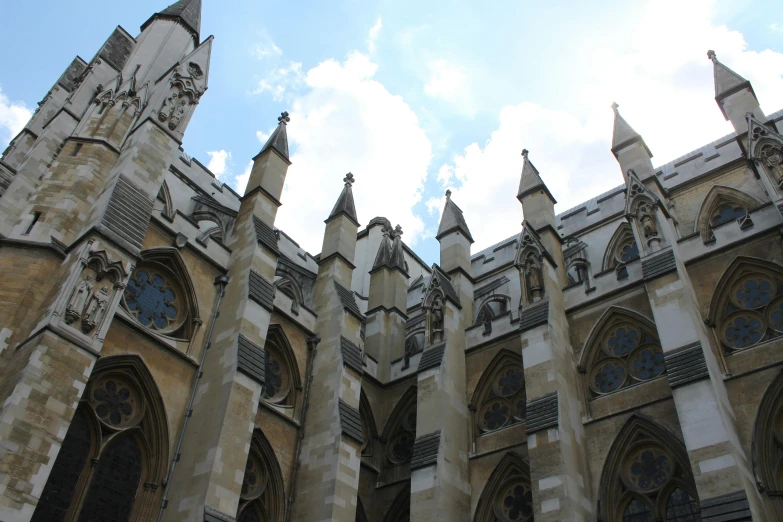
153, 299
504, 402
115, 482
752, 311
115, 401
64, 477
277, 383
628, 252
637, 511
681, 507
400, 447
516, 502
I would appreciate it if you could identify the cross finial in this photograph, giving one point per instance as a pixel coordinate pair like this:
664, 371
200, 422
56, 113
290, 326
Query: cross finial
385, 231
283, 118
525, 153
615, 106
711, 55
348, 179
398, 231
448, 194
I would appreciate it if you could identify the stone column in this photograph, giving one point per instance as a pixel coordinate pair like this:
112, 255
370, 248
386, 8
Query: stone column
208, 479
328, 479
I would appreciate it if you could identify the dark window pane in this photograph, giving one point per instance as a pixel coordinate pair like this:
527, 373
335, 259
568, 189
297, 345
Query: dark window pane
249, 514
681, 507
114, 483
59, 489
637, 511
727, 213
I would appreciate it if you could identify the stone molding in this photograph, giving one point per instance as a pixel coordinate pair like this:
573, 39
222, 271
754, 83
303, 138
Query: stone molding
686, 365
542, 413
725, 508
261, 291
497, 283
534, 315
251, 359
128, 212
348, 301
352, 355
266, 235
213, 515
658, 265
432, 357
350, 422
425, 450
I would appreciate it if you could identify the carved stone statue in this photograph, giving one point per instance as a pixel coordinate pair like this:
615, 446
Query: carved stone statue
78, 300
95, 309
436, 319
773, 160
647, 222
534, 280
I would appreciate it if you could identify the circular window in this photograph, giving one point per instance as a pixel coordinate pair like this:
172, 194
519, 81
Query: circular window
254, 482
508, 382
622, 341
276, 379
743, 329
646, 362
153, 298
116, 402
401, 447
648, 469
775, 315
609, 375
495, 414
753, 292
515, 502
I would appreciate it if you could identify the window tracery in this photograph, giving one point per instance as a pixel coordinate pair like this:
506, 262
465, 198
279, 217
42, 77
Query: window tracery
281, 376
414, 343
400, 433
749, 306
723, 205
120, 429
492, 308
262, 497
500, 395
621, 251
647, 477
622, 350
768, 446
507, 495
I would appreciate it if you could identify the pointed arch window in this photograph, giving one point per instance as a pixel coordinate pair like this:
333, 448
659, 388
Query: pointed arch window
369, 431
621, 251
120, 428
768, 445
400, 432
400, 510
723, 205
748, 305
500, 395
281, 376
507, 495
647, 477
262, 496
493, 307
622, 350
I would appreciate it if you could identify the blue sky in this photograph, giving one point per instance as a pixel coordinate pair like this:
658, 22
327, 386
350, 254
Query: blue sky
417, 97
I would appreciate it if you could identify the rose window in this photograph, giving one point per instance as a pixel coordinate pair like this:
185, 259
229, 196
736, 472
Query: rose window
627, 356
115, 402
400, 447
153, 299
515, 503
649, 470
276, 380
752, 312
504, 403
255, 478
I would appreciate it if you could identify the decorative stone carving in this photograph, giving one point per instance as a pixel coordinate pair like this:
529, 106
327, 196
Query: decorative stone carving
436, 320
645, 213
173, 108
195, 70
772, 158
78, 300
95, 309
534, 280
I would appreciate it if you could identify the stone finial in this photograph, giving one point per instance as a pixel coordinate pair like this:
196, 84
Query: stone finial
398, 231
525, 152
348, 179
711, 55
448, 194
615, 106
385, 231
283, 118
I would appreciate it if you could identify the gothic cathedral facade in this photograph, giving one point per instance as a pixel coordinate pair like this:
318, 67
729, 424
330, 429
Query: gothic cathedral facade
168, 354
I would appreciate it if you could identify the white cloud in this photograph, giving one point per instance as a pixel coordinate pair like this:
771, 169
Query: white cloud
270, 49
665, 89
218, 160
240, 183
13, 117
262, 136
372, 37
448, 82
346, 121
280, 81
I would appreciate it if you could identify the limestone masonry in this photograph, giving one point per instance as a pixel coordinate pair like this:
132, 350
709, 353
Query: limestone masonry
166, 353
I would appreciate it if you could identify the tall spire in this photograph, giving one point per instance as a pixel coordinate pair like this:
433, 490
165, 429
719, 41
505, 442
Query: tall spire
186, 12
734, 95
452, 220
530, 180
623, 134
726, 80
278, 141
345, 205
390, 252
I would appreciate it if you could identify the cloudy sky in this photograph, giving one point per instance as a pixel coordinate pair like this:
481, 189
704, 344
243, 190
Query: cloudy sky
416, 97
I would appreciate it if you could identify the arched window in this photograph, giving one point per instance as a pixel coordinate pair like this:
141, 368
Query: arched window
747, 306
262, 497
291, 289
647, 477
499, 399
160, 295
400, 430
507, 495
493, 307
622, 350
722, 205
768, 446
400, 510
116, 445
622, 250
281, 372
369, 431
414, 343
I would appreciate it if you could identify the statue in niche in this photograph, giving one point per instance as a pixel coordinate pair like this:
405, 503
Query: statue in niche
78, 300
647, 222
95, 309
773, 159
436, 320
173, 108
534, 280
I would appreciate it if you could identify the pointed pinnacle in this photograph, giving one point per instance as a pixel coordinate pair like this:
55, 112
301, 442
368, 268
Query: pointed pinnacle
398, 231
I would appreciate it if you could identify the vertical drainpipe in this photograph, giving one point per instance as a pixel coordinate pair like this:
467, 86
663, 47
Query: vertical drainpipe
221, 282
312, 343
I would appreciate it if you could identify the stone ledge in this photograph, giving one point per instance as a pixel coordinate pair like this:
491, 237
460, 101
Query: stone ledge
725, 508
686, 365
352, 355
658, 265
425, 450
432, 357
542, 413
251, 359
261, 291
350, 422
534, 315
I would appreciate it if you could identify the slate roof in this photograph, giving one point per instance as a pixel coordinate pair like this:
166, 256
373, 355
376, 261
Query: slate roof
348, 300
278, 142
345, 205
451, 220
187, 12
